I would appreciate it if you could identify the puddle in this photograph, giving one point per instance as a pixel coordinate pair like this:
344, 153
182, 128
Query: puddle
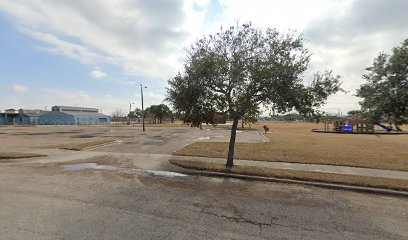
83, 166
203, 138
165, 173
84, 136
218, 137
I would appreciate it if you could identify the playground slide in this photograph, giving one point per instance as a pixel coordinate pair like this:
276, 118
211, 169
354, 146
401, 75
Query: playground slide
384, 127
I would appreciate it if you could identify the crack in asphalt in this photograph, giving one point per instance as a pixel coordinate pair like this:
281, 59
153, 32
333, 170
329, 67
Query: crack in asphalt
241, 219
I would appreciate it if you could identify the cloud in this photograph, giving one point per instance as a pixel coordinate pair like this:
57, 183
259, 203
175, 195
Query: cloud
66, 48
347, 38
289, 14
149, 98
18, 88
97, 74
52, 96
360, 21
142, 37
147, 38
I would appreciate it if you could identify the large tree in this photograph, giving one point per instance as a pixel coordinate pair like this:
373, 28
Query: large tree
191, 101
135, 114
385, 93
242, 66
159, 111
251, 115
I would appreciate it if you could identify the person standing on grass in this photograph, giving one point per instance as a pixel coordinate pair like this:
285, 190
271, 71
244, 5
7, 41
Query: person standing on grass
266, 128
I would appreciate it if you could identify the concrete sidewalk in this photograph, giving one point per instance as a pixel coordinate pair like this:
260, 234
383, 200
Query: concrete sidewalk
305, 167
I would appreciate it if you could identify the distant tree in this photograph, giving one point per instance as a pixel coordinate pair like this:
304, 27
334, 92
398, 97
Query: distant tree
290, 117
354, 112
242, 66
159, 111
385, 93
149, 116
118, 116
191, 102
135, 114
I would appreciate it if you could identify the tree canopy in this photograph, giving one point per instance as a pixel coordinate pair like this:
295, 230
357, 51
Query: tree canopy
242, 67
135, 114
251, 115
191, 102
159, 111
118, 116
385, 93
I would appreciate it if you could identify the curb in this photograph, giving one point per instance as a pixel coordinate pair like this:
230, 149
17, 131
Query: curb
335, 186
265, 139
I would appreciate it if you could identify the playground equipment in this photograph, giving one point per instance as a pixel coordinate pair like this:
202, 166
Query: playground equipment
356, 125
348, 125
388, 129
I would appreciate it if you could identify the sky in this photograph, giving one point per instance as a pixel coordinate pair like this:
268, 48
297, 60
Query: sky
97, 53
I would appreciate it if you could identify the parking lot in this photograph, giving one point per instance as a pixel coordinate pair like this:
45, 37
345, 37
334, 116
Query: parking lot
142, 196
133, 147
131, 139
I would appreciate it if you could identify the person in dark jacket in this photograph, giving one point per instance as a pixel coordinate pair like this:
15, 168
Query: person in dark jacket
266, 128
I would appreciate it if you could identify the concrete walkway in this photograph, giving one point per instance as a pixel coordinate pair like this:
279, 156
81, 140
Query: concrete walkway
306, 167
161, 162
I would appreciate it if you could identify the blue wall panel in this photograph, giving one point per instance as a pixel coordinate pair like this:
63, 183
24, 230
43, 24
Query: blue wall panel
51, 120
72, 120
28, 120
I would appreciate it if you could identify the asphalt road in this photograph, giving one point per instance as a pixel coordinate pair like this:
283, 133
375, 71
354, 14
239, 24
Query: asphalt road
48, 202
41, 200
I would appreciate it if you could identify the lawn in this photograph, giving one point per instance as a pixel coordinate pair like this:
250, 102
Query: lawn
294, 142
364, 181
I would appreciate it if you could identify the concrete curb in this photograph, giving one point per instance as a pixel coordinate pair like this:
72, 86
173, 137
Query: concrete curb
265, 139
310, 167
335, 186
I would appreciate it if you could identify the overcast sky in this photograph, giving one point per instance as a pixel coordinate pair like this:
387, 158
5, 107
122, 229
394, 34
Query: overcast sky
96, 53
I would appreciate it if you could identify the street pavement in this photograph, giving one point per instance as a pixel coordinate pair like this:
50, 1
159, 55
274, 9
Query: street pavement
48, 202
145, 197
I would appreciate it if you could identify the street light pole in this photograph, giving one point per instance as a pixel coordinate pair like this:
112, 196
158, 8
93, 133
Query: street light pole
143, 115
130, 111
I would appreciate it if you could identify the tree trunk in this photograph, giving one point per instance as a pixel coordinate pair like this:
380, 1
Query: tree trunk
230, 159
242, 123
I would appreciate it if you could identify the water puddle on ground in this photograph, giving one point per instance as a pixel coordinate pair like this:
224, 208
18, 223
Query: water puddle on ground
208, 138
203, 138
165, 173
83, 166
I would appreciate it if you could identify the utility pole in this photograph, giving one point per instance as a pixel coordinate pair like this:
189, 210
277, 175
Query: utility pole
130, 111
143, 114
